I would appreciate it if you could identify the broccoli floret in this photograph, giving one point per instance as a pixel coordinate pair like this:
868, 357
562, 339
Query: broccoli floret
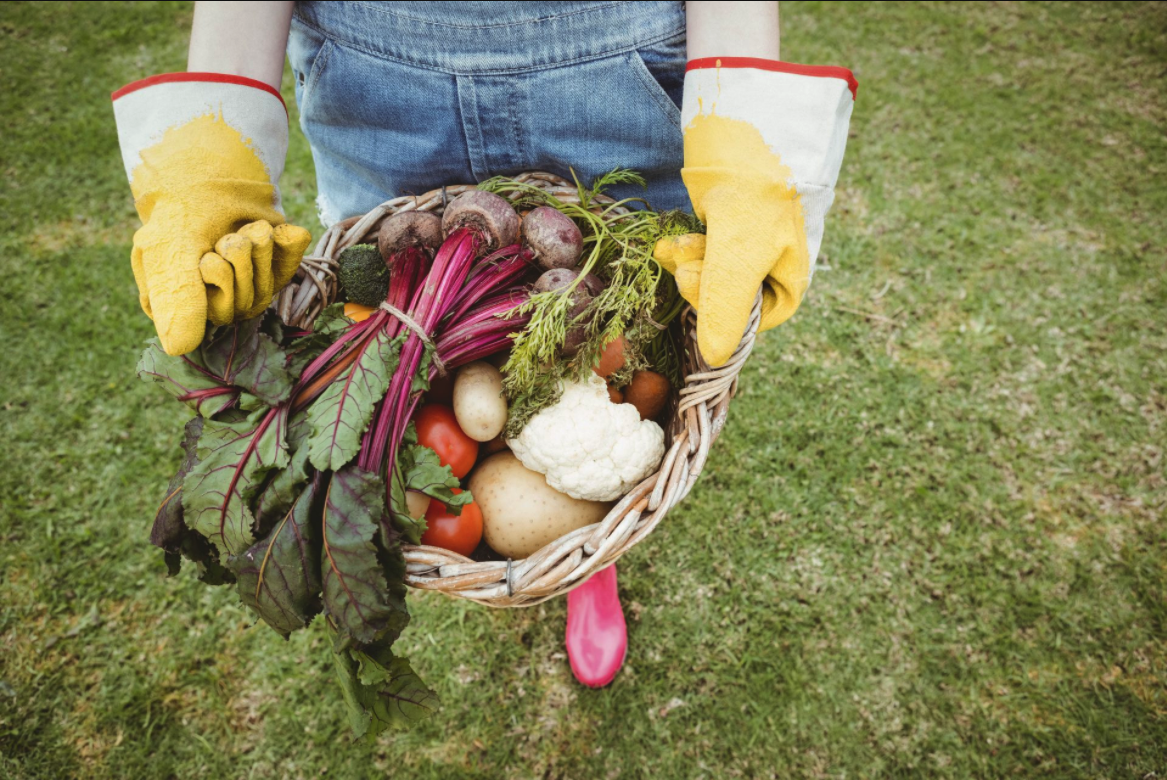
363, 275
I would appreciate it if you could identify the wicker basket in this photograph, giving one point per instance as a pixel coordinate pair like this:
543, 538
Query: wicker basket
695, 424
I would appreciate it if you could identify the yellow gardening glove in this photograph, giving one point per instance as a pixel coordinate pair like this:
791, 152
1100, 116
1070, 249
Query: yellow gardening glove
228, 275
248, 267
761, 179
755, 238
213, 243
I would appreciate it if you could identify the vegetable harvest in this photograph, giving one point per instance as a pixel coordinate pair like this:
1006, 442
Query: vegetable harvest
314, 456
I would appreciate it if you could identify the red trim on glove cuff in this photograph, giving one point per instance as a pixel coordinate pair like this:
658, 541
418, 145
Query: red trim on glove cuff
820, 71
213, 78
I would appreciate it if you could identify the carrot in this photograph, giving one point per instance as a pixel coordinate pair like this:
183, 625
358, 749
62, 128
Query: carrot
357, 312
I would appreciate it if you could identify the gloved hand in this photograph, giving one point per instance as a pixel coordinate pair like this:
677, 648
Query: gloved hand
764, 142
203, 153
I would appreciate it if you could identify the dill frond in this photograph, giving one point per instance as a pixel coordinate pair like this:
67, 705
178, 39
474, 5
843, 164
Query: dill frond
617, 247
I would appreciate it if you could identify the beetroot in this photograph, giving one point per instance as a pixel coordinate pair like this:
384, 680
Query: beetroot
485, 213
555, 240
594, 284
578, 317
555, 279
574, 339
409, 229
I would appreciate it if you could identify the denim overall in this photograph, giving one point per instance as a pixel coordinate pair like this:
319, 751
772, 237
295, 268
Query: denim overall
401, 97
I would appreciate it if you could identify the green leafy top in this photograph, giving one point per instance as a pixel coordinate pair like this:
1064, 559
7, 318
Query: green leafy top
381, 690
273, 500
639, 301
234, 359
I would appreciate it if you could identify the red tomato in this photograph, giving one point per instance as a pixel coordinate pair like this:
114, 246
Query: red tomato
460, 533
437, 428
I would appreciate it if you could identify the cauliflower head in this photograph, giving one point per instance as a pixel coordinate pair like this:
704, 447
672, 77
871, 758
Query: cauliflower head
588, 447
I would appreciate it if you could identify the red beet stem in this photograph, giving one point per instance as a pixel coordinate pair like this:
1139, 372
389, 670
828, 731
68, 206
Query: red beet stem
428, 304
493, 273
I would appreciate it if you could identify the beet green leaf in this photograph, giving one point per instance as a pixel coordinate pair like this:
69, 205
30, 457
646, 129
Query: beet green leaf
279, 577
282, 487
342, 412
418, 468
236, 358
169, 529
381, 690
234, 458
356, 592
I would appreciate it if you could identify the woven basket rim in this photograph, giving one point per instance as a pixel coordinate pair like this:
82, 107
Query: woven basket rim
567, 562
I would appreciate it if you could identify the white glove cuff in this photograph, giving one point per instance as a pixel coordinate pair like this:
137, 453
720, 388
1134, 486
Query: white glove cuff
146, 109
802, 112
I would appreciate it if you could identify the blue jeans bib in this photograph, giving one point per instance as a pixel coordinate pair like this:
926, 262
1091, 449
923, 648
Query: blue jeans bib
401, 97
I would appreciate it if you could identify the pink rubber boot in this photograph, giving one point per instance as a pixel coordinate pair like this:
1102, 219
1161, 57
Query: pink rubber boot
597, 636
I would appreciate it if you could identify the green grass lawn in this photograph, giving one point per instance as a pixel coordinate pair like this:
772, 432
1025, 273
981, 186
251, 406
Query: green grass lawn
930, 542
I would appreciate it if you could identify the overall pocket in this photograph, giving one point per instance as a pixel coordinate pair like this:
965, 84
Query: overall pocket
608, 113
308, 53
661, 67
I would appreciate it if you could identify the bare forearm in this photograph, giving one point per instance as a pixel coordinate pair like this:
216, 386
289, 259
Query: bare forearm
717, 28
241, 39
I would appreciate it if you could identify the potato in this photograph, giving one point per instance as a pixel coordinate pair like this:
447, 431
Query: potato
479, 404
520, 512
648, 392
416, 504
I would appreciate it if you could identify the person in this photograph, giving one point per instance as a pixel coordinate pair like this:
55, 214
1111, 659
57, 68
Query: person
400, 97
